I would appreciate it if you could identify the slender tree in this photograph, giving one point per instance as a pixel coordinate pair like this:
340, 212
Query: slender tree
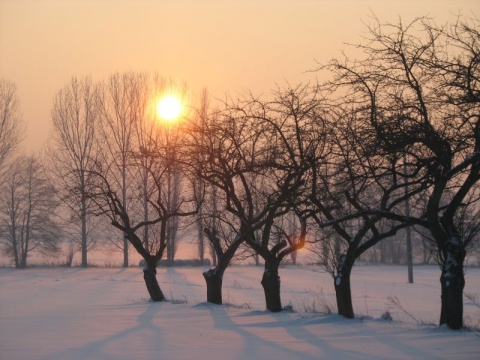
28, 214
11, 123
73, 149
201, 119
122, 109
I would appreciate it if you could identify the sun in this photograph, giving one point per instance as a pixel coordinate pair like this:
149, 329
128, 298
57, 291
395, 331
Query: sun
169, 108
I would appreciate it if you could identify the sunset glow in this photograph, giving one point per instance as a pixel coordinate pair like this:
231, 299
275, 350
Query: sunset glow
169, 108
212, 49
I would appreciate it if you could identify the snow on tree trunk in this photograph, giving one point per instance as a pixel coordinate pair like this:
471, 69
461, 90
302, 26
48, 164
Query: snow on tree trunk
452, 281
214, 279
343, 290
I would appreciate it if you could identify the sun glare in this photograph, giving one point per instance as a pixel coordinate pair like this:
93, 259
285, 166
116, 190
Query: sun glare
169, 108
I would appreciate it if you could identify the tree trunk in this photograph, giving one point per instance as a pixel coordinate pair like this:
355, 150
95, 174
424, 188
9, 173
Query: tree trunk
343, 290
201, 240
214, 257
146, 240
149, 275
26, 243
15, 248
453, 282
214, 279
23, 263
271, 286
83, 215
124, 201
70, 254
84, 237
14, 233
293, 256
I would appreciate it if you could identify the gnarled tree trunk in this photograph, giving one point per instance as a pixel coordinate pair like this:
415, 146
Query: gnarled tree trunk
214, 279
343, 291
271, 286
150, 277
452, 280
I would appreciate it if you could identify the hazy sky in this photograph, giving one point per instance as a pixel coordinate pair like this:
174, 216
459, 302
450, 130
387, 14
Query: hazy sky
221, 45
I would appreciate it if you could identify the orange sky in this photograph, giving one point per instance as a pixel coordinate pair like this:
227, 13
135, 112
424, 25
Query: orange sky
221, 45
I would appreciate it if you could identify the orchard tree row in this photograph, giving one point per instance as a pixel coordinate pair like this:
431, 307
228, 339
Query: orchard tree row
385, 142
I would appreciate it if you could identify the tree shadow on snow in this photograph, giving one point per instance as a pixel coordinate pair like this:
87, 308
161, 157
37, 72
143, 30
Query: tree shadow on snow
109, 347
264, 335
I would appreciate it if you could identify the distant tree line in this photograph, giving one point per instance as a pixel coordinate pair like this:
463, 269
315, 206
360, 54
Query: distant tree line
386, 143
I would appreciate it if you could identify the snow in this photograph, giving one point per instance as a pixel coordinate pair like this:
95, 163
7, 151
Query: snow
104, 313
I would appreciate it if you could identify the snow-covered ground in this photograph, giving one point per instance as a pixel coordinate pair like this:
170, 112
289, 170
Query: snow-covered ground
104, 313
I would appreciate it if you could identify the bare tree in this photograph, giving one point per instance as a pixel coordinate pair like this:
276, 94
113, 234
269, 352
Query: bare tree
107, 196
287, 227
351, 192
73, 149
225, 241
201, 119
254, 155
127, 131
172, 138
420, 92
122, 109
146, 139
210, 148
11, 123
28, 214
134, 182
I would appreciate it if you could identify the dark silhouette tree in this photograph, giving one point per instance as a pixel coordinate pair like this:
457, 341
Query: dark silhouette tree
357, 198
147, 152
254, 154
108, 201
419, 92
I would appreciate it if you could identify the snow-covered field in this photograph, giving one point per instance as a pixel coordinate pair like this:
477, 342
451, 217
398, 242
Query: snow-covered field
104, 313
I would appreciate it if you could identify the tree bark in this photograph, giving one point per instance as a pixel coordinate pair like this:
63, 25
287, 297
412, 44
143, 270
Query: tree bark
452, 281
149, 275
343, 291
214, 280
83, 215
271, 286
124, 202
214, 277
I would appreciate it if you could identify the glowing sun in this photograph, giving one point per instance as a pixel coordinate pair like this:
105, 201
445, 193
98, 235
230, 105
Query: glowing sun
169, 108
